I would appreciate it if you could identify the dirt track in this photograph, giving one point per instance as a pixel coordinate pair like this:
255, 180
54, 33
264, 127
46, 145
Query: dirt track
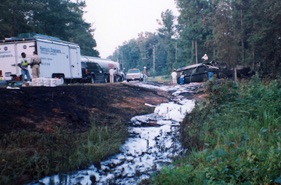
73, 106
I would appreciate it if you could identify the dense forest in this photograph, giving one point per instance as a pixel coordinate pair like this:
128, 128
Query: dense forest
57, 18
240, 32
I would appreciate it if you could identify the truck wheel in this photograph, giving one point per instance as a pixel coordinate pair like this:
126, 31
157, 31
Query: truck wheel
62, 80
105, 80
61, 77
92, 79
118, 79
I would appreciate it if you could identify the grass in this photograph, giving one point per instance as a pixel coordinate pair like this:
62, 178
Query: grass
29, 155
162, 79
234, 137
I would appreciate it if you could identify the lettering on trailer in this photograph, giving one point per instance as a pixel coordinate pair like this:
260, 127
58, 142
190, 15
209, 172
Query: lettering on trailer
5, 54
46, 61
51, 51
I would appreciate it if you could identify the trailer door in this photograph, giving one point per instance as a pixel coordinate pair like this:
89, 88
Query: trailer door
75, 62
8, 61
10, 56
55, 59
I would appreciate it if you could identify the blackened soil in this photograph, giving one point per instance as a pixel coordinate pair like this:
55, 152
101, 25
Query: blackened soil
73, 106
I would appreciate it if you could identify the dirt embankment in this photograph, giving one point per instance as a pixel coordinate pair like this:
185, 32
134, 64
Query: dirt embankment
43, 108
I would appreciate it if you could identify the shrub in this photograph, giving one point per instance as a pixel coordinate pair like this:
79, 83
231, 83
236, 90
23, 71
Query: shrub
234, 136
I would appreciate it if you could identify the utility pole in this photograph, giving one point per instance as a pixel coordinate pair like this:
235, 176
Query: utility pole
154, 61
196, 52
176, 53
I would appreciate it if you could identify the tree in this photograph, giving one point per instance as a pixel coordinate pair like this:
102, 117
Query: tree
167, 33
12, 18
225, 34
265, 38
147, 50
195, 27
58, 18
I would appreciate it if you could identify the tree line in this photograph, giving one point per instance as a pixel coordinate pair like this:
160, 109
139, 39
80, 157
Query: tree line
58, 18
240, 32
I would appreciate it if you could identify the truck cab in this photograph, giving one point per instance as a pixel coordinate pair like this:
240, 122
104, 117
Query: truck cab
92, 73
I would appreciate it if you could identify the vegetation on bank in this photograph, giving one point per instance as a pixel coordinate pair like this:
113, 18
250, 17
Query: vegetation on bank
29, 155
233, 137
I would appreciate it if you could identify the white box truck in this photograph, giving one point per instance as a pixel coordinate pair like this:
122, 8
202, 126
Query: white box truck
60, 59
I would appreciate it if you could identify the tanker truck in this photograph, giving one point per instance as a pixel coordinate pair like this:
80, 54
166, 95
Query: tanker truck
106, 64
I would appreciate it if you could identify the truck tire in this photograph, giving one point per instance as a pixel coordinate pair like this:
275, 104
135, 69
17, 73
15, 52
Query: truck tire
105, 79
60, 76
118, 79
62, 80
93, 80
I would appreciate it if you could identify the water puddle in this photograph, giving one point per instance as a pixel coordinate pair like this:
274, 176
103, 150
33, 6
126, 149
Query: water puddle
152, 143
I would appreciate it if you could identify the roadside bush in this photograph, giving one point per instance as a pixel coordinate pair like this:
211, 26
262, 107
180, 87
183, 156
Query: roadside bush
232, 139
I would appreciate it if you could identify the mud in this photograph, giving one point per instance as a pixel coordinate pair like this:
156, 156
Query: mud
72, 106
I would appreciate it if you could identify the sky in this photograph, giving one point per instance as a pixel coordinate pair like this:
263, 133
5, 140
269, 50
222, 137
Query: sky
117, 21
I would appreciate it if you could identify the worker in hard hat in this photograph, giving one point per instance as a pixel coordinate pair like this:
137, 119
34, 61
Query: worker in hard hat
205, 58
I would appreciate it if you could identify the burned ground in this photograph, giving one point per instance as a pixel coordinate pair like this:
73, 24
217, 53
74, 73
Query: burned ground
46, 128
43, 127
73, 106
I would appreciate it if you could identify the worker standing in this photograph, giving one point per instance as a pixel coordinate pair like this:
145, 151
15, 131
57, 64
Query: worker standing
24, 68
205, 58
174, 77
144, 74
35, 64
111, 75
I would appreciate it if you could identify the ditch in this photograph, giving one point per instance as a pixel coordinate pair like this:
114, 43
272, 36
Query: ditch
153, 143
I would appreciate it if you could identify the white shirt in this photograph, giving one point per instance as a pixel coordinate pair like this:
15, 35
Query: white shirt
174, 74
111, 71
205, 57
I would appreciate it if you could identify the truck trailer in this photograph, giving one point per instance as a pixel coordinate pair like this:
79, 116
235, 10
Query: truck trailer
60, 59
106, 64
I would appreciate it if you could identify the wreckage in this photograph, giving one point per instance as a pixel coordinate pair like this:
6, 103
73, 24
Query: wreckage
204, 71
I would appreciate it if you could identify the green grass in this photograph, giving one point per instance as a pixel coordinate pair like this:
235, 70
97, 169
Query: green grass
101, 142
234, 137
163, 79
26, 155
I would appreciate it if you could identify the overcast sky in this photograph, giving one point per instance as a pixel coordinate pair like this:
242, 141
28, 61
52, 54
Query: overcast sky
117, 21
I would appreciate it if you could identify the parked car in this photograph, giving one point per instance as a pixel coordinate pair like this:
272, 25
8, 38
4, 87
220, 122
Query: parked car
93, 73
134, 74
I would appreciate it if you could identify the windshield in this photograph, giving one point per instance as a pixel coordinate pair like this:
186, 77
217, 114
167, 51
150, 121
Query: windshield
133, 71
